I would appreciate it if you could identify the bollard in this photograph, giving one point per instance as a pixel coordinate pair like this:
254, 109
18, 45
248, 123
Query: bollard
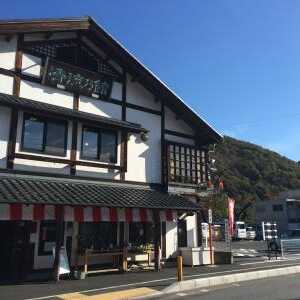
179, 268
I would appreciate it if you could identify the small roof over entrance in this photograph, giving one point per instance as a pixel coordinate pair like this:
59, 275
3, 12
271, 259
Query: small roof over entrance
36, 198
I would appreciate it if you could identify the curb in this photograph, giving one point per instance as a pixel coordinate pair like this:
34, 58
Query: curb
214, 281
228, 279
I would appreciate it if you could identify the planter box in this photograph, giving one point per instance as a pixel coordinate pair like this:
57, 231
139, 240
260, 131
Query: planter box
195, 256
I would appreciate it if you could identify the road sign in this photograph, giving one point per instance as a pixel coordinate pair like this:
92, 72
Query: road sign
210, 216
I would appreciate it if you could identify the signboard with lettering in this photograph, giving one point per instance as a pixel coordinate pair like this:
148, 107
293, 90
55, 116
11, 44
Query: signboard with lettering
209, 216
74, 79
63, 267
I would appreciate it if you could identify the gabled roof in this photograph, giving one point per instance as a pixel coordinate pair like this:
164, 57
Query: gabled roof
88, 26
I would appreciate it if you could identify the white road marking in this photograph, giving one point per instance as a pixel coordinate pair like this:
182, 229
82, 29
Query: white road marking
204, 290
146, 282
279, 259
181, 294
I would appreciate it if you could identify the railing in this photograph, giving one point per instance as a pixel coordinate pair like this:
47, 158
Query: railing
290, 247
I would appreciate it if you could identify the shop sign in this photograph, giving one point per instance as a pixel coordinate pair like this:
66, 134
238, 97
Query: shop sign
77, 80
63, 267
210, 216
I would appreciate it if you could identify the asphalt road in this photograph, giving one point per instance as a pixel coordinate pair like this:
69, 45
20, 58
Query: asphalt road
277, 288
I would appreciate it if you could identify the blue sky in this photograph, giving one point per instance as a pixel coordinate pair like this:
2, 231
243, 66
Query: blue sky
235, 62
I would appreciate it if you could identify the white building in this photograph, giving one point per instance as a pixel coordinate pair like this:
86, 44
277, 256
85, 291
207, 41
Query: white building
284, 211
95, 151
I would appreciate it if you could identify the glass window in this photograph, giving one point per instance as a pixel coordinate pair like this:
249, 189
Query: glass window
100, 236
99, 145
108, 147
33, 134
47, 237
55, 138
89, 144
141, 234
44, 135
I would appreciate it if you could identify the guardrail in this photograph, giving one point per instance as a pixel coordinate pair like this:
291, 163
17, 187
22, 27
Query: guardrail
290, 247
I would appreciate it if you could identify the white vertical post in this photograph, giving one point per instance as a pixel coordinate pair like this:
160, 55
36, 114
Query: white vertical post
263, 230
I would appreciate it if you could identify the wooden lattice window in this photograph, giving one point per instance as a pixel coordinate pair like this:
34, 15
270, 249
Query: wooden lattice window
69, 52
186, 164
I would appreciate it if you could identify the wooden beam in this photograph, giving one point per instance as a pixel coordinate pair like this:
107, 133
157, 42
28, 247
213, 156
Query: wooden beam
18, 65
59, 240
67, 161
44, 25
74, 148
163, 148
11, 146
180, 134
144, 109
124, 134
157, 240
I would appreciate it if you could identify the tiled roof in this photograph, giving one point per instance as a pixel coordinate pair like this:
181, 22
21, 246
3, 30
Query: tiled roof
32, 105
38, 190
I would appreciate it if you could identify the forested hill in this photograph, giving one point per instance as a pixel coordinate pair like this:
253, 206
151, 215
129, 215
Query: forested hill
252, 173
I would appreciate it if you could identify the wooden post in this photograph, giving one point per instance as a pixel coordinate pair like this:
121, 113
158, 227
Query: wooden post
85, 261
124, 260
59, 240
157, 240
179, 268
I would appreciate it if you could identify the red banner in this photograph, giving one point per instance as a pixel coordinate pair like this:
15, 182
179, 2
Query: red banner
231, 203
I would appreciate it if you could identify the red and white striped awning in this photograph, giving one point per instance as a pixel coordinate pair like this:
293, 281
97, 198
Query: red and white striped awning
39, 212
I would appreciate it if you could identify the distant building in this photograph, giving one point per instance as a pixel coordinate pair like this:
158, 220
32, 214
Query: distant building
284, 210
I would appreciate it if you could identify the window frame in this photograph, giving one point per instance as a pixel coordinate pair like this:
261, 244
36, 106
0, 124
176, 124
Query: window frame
44, 120
99, 131
47, 224
187, 164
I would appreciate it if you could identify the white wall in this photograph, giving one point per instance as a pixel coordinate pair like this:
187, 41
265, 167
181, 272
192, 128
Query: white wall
176, 125
171, 239
101, 108
38, 92
6, 84
138, 95
7, 53
31, 65
144, 158
191, 229
116, 92
5, 114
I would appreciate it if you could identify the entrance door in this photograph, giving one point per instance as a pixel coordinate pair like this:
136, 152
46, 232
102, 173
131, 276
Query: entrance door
15, 250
